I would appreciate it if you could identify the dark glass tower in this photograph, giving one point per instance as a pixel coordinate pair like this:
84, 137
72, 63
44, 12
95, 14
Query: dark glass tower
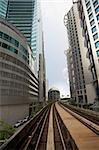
3, 8
21, 14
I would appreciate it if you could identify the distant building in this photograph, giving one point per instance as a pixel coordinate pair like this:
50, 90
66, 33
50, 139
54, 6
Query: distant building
80, 77
18, 83
53, 94
47, 87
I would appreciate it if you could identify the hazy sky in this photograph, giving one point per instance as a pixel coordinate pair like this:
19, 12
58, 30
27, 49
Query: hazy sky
56, 42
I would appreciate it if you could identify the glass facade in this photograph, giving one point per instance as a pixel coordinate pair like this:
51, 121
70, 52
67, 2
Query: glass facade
3, 8
97, 44
23, 14
94, 29
14, 46
92, 8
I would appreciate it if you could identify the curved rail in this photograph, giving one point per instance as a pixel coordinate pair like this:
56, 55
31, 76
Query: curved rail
62, 137
83, 119
88, 116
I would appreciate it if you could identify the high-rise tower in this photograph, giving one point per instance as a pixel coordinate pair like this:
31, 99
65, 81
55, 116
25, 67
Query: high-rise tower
89, 15
3, 8
22, 62
82, 89
25, 15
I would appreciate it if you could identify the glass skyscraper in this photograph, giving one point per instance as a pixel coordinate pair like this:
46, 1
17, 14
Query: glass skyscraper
3, 8
24, 14
22, 64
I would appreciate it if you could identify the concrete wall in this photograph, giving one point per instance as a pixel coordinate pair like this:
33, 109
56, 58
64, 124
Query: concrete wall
12, 113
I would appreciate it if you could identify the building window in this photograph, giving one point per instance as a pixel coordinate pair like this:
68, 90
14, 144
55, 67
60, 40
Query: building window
92, 22
88, 4
97, 9
95, 36
97, 17
97, 53
89, 10
9, 39
95, 3
97, 44
90, 16
4, 45
94, 29
86, 1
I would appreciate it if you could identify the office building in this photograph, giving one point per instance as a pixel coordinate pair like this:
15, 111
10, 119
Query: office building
26, 16
89, 17
18, 83
81, 87
42, 78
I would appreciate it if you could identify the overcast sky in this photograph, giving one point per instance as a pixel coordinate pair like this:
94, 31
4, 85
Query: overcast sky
56, 42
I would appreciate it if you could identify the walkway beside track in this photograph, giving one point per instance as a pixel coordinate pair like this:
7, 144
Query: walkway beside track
83, 136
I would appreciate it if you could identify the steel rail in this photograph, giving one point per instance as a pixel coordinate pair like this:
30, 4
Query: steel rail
42, 129
86, 115
60, 132
34, 132
68, 141
20, 140
87, 123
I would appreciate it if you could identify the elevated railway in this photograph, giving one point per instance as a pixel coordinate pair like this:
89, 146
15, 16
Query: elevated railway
56, 127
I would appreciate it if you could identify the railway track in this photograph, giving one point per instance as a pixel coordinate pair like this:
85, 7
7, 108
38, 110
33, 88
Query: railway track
88, 116
84, 132
89, 122
31, 138
34, 136
62, 137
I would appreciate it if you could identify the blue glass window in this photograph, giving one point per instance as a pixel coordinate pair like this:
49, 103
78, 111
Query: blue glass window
89, 10
9, 39
94, 29
97, 44
95, 3
8, 47
97, 53
95, 36
88, 4
97, 17
90, 16
92, 22
97, 9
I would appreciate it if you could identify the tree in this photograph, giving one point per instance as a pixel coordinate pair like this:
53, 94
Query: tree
6, 130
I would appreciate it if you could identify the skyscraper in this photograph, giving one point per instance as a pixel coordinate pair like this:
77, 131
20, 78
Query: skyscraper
18, 84
25, 15
22, 62
81, 87
3, 8
89, 15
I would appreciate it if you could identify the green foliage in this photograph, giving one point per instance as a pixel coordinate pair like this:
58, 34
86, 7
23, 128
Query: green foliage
6, 130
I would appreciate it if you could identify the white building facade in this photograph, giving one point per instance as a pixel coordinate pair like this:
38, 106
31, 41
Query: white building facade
89, 17
80, 77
